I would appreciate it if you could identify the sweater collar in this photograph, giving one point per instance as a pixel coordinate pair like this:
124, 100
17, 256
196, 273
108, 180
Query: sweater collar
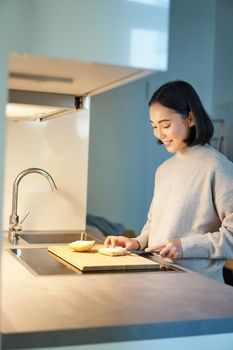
190, 151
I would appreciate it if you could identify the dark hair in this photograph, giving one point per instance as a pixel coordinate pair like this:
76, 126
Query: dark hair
182, 98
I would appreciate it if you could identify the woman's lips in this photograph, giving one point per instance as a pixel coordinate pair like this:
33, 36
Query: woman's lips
167, 143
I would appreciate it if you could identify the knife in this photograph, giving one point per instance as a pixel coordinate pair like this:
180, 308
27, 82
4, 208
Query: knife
142, 252
154, 254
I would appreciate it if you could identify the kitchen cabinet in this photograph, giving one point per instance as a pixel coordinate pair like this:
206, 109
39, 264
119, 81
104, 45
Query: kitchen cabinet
131, 33
72, 77
83, 47
59, 84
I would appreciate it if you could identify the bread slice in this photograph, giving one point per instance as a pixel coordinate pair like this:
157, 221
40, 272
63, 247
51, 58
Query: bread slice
81, 246
113, 251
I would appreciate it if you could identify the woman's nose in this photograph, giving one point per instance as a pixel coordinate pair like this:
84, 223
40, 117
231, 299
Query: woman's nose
159, 134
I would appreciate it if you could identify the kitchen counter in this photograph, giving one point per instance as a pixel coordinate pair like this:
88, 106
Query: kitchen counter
97, 308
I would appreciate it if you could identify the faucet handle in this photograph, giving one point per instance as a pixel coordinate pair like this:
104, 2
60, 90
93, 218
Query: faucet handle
25, 216
15, 224
18, 226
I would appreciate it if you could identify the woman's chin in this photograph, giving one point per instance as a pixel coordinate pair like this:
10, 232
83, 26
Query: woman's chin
170, 148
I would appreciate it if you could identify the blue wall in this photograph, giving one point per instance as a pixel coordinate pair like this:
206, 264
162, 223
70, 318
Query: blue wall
223, 70
119, 136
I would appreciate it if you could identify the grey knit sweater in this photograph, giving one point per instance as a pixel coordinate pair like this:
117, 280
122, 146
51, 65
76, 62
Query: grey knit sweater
193, 200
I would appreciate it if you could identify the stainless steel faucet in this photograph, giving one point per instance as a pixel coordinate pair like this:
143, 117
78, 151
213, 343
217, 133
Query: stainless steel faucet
15, 225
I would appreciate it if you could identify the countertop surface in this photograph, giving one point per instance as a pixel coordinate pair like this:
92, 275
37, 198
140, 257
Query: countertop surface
107, 307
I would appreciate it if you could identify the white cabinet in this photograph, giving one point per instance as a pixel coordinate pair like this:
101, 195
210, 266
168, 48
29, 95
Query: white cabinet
83, 47
77, 78
131, 33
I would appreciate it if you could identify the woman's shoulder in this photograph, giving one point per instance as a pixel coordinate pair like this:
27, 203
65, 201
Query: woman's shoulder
220, 170
167, 167
217, 159
166, 163
205, 157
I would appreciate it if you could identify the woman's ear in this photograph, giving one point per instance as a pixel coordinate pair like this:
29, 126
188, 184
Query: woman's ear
191, 120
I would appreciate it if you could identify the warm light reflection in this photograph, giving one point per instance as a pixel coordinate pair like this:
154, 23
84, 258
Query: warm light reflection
82, 125
148, 48
160, 3
27, 111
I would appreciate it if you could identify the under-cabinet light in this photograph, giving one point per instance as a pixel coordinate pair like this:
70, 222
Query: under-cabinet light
24, 105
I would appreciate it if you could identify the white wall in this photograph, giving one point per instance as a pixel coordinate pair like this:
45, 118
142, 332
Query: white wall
123, 151
59, 146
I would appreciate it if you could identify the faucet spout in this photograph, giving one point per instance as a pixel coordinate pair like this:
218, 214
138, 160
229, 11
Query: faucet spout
14, 218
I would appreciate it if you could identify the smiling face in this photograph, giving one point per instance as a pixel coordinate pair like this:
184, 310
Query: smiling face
170, 127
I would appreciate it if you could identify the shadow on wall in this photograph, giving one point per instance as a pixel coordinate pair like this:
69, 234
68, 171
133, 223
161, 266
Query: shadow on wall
107, 228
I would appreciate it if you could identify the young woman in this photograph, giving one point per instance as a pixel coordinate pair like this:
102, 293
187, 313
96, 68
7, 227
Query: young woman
191, 215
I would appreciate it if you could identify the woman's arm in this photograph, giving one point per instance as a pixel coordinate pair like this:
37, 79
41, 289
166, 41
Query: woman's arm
214, 245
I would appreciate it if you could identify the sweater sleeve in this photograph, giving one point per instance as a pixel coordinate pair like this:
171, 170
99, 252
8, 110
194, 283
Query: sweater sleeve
144, 235
214, 245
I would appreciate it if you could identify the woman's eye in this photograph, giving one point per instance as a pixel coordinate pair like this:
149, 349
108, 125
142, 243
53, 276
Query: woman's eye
166, 126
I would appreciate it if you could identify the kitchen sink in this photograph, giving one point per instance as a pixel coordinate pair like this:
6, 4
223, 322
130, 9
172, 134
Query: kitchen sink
41, 262
52, 238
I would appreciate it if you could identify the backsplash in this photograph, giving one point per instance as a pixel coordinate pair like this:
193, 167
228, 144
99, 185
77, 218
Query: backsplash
59, 146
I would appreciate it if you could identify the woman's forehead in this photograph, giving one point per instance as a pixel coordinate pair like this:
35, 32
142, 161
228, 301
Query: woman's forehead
160, 113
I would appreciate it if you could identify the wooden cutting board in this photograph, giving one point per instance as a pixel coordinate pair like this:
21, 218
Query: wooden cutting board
94, 261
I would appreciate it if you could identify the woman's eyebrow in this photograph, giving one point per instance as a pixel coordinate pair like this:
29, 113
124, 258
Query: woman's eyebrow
164, 120
160, 121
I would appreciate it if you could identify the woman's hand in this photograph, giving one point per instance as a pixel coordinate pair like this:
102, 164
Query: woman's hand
168, 249
128, 243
